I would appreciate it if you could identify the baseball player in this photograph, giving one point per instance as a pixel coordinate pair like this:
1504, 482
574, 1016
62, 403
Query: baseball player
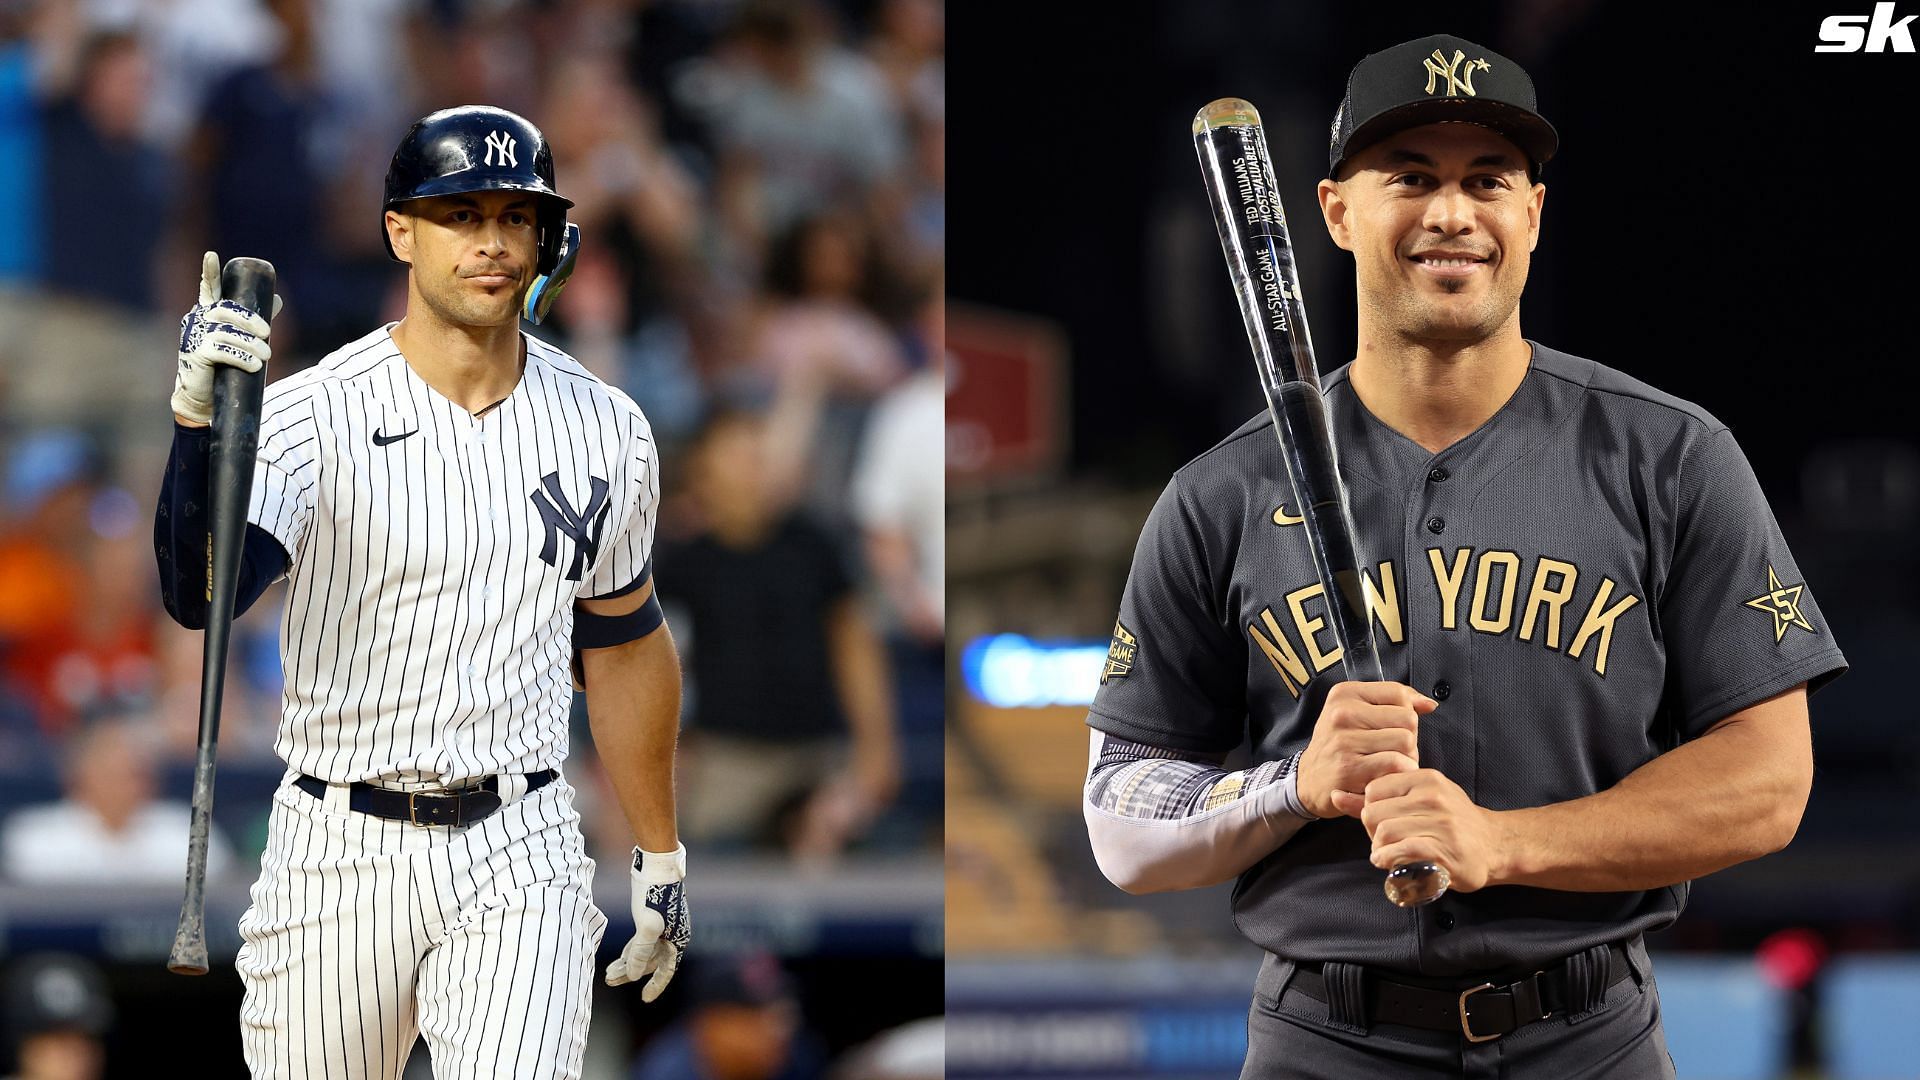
459, 509
1599, 647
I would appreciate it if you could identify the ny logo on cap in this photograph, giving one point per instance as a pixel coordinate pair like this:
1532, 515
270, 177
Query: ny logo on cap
503, 142
1458, 81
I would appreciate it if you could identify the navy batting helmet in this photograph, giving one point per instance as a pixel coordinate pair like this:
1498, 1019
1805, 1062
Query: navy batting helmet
479, 148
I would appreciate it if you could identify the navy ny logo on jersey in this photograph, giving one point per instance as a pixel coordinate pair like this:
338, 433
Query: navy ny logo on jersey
560, 517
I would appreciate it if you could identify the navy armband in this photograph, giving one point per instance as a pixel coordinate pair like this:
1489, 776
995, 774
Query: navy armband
594, 631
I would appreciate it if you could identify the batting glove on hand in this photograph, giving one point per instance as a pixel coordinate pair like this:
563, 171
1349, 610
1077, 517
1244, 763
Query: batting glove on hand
661, 925
216, 331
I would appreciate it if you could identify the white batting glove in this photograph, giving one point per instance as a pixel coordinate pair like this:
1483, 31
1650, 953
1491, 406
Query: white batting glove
662, 926
216, 331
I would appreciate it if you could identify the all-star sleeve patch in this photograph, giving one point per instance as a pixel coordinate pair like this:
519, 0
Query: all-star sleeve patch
1780, 601
1120, 653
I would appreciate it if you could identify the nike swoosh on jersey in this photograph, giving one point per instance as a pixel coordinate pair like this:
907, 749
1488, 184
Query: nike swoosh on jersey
383, 440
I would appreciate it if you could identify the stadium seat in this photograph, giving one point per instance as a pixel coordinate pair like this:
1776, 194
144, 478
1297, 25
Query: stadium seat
1039, 754
1869, 1009
1724, 1019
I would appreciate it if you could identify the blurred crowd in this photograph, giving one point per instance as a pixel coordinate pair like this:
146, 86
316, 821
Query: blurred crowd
760, 184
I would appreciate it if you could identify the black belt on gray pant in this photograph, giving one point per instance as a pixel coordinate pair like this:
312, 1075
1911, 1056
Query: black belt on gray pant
459, 807
1480, 1011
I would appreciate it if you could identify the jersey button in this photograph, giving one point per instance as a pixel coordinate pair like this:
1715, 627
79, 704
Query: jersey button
1437, 475
1444, 921
1436, 525
1441, 689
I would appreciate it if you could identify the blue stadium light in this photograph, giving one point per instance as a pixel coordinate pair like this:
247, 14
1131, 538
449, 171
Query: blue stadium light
1009, 671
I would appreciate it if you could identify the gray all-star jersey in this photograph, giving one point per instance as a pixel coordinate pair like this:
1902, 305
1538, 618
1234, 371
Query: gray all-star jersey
1587, 580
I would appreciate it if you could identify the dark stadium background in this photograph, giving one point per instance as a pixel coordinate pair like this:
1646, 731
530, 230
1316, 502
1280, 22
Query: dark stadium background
1728, 218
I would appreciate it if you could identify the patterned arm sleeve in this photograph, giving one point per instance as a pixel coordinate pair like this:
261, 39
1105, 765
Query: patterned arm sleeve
1161, 819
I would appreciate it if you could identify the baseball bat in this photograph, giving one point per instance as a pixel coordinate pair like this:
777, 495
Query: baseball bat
236, 439
1253, 235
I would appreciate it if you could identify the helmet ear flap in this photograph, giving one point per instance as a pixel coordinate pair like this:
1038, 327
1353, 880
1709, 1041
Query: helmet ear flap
553, 235
546, 288
550, 232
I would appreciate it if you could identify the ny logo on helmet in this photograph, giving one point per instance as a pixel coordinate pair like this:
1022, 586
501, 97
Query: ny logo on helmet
582, 526
502, 142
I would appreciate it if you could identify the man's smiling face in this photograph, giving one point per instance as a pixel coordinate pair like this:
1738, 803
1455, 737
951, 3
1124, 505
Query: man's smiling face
1442, 221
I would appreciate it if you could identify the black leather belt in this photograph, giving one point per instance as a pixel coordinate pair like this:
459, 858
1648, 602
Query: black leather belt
461, 807
1481, 1012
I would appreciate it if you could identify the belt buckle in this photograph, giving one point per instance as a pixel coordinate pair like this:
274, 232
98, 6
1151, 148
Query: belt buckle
1466, 1025
413, 808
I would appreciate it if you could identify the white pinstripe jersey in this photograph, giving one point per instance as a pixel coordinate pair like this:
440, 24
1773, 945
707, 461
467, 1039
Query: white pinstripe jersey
436, 558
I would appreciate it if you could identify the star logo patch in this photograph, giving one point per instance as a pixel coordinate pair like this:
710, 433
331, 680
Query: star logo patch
1783, 603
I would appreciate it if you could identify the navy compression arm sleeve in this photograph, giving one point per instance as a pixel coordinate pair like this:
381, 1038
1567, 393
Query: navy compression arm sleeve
180, 536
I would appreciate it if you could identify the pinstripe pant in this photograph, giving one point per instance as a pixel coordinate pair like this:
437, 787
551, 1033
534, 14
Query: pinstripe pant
366, 933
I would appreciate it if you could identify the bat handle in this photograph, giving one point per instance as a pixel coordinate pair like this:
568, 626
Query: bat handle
189, 954
1413, 884
1416, 884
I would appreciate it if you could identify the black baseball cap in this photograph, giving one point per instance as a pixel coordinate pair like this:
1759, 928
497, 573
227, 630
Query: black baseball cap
1435, 80
750, 978
55, 992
